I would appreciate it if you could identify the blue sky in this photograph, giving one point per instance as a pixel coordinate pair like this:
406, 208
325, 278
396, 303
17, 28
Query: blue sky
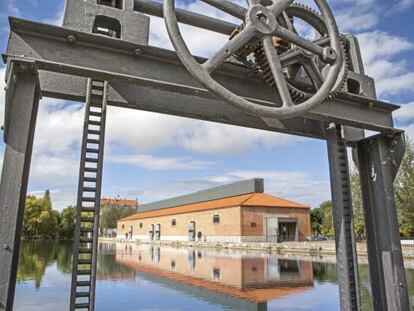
151, 156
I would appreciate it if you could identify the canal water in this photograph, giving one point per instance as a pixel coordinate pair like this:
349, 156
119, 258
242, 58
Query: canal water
144, 277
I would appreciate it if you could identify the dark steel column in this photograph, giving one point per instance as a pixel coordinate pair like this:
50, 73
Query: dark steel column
347, 265
22, 97
379, 159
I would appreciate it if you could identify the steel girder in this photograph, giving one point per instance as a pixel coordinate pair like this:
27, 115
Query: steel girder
379, 158
148, 75
22, 100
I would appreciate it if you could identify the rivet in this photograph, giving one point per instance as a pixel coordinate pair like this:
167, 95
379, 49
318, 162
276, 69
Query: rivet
138, 51
370, 105
6, 247
71, 38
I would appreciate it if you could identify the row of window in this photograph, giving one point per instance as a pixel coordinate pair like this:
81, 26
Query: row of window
216, 220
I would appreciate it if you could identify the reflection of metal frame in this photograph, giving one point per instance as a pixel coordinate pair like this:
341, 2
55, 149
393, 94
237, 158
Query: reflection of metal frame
55, 62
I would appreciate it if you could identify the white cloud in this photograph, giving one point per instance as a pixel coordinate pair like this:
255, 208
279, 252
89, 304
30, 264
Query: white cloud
295, 186
354, 21
141, 130
214, 138
403, 5
158, 163
380, 51
405, 113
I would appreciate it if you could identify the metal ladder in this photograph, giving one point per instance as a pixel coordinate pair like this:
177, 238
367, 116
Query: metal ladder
85, 248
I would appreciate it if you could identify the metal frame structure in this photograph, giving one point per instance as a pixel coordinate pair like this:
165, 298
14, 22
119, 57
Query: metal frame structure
50, 61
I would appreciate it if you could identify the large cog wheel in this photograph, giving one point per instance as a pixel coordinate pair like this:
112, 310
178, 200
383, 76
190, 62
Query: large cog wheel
262, 23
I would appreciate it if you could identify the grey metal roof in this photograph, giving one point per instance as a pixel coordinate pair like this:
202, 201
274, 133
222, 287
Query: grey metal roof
255, 185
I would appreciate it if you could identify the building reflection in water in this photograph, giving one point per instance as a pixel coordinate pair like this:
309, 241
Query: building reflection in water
238, 280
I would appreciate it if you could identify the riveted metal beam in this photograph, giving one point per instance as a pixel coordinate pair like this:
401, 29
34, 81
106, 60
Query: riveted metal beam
22, 97
160, 70
379, 159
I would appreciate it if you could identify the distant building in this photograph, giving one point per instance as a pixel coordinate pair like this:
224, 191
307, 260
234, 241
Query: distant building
238, 212
117, 201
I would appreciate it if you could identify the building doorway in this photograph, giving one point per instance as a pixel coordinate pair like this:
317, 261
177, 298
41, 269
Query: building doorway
191, 231
151, 232
158, 232
288, 230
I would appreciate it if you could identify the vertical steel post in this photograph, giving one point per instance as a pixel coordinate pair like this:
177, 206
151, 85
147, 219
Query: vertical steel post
22, 98
347, 265
379, 158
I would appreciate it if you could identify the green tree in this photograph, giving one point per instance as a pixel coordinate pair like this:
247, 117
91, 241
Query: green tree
321, 218
40, 220
359, 225
67, 222
404, 192
112, 213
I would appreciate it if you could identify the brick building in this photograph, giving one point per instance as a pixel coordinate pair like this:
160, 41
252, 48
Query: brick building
119, 202
239, 212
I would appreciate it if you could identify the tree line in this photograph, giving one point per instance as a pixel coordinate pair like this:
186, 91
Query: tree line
321, 217
41, 221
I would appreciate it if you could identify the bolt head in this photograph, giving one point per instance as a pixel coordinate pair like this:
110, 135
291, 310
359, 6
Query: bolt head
138, 51
6, 247
329, 55
71, 38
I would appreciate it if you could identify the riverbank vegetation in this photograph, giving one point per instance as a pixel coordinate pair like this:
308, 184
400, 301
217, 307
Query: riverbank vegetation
321, 216
41, 221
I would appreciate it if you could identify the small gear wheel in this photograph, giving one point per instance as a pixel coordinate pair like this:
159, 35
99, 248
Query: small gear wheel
301, 68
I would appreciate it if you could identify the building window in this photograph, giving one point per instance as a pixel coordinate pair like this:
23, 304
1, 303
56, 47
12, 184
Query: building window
112, 3
123, 226
254, 269
140, 224
253, 224
216, 219
173, 222
216, 273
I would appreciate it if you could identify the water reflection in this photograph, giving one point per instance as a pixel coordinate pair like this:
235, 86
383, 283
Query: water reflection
151, 277
36, 256
249, 280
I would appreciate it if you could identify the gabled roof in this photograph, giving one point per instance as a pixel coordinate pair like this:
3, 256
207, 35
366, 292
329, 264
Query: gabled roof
251, 199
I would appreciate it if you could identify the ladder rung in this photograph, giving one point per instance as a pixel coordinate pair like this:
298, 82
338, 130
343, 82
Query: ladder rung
91, 169
85, 240
88, 209
88, 199
83, 229
82, 294
89, 179
82, 305
88, 189
84, 272
83, 283
95, 114
84, 261
93, 141
92, 150
94, 122
94, 132
87, 219
85, 250
91, 160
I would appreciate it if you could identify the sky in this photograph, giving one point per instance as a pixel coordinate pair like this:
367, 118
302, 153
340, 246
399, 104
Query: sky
151, 156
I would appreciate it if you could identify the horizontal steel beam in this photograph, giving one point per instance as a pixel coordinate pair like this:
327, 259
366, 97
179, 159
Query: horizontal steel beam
160, 73
63, 86
186, 17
